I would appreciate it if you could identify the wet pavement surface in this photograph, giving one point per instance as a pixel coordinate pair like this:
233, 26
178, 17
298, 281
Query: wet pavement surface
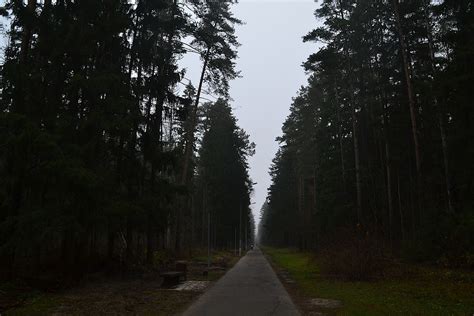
250, 288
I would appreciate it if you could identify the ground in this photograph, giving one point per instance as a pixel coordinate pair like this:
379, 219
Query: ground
112, 296
109, 298
421, 291
424, 291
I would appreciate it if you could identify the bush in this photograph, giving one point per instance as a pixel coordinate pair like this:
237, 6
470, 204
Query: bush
352, 255
447, 240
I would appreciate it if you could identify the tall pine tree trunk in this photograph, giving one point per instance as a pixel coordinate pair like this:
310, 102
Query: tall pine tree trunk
357, 164
411, 101
400, 209
411, 96
354, 124
193, 123
189, 146
441, 119
110, 244
341, 139
388, 167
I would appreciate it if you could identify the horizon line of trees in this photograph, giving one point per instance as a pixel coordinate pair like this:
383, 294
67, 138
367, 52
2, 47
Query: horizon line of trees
380, 140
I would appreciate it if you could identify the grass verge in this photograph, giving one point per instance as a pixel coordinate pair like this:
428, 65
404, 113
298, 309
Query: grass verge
425, 291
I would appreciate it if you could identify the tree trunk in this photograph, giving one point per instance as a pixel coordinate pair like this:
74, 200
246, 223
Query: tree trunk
341, 147
111, 244
193, 224
300, 211
400, 209
193, 123
129, 239
388, 166
442, 130
357, 164
189, 145
411, 99
354, 128
149, 241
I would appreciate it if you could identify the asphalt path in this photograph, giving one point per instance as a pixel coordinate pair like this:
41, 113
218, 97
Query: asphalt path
250, 288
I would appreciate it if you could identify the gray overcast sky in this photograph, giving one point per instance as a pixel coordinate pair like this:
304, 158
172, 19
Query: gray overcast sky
270, 61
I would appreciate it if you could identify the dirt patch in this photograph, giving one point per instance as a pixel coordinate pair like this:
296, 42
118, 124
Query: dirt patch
193, 286
285, 276
325, 303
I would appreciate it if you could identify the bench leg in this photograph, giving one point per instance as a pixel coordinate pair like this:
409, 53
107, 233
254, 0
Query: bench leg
170, 281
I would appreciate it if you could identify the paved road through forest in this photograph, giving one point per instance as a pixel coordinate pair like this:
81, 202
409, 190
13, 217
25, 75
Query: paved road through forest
249, 288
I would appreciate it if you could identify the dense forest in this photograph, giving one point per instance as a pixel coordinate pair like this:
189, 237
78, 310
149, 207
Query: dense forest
378, 147
108, 153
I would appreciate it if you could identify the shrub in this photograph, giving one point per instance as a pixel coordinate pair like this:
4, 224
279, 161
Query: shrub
352, 255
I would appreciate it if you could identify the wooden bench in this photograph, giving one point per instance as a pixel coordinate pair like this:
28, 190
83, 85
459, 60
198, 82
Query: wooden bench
182, 266
171, 278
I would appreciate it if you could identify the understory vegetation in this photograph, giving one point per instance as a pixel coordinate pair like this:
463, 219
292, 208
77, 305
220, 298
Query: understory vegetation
137, 295
405, 289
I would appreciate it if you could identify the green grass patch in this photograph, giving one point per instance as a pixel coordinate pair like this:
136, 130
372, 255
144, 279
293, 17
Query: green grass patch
429, 291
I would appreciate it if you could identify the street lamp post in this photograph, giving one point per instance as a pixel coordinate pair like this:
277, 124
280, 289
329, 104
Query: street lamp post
208, 240
246, 245
240, 229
